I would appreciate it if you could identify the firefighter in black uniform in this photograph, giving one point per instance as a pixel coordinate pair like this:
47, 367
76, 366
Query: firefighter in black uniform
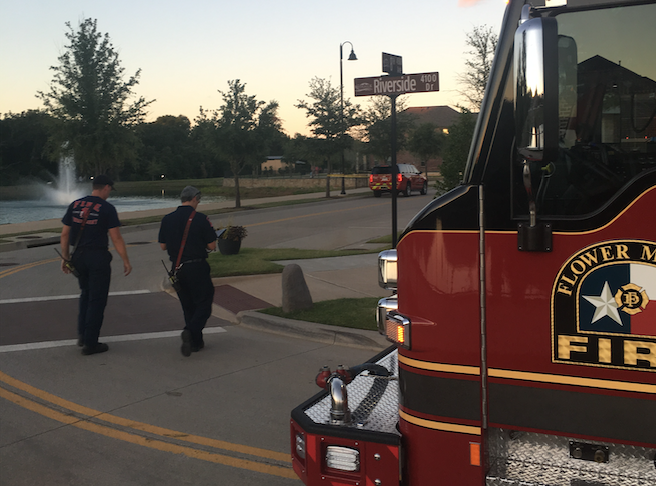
193, 232
86, 224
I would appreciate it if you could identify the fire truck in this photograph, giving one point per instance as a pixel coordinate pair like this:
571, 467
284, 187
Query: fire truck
523, 302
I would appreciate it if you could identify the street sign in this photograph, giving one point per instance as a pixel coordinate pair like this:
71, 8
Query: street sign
396, 85
392, 64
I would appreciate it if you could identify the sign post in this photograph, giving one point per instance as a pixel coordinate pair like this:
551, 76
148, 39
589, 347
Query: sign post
395, 170
394, 85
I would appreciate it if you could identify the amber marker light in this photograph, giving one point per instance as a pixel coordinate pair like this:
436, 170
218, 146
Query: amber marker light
397, 329
474, 453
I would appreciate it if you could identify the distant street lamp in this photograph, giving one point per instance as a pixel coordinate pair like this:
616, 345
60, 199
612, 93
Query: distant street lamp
351, 57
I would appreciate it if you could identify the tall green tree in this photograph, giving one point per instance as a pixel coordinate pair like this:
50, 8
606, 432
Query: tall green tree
456, 150
92, 101
426, 142
377, 131
241, 129
482, 42
326, 120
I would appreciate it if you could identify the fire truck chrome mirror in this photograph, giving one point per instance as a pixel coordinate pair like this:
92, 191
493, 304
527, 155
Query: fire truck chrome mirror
387, 269
536, 64
385, 305
536, 90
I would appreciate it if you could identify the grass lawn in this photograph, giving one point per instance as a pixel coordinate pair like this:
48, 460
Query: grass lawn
354, 313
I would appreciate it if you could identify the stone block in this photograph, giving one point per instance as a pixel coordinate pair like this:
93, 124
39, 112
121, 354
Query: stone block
295, 292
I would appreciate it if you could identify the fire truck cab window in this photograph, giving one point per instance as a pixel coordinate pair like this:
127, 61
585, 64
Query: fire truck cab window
607, 110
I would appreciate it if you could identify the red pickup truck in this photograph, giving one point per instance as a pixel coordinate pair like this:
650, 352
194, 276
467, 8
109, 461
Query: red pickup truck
408, 179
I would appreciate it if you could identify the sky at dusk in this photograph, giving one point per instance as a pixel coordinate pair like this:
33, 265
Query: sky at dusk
187, 51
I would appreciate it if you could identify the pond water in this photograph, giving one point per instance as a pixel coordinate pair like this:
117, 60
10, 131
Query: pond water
38, 210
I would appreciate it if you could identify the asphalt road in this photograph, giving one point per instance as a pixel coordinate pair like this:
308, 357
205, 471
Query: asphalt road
142, 414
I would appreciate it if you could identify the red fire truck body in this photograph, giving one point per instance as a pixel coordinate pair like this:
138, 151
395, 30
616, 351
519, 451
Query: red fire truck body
525, 320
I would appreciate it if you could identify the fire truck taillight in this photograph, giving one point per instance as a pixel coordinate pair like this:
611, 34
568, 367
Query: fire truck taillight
397, 329
300, 445
343, 458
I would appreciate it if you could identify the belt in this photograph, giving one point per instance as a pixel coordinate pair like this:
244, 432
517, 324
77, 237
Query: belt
197, 260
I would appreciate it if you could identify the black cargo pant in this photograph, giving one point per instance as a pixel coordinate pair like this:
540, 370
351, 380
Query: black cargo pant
95, 271
196, 297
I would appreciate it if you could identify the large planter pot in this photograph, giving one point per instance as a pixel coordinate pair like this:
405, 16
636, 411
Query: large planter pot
229, 247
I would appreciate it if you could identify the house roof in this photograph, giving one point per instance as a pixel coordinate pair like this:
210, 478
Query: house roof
442, 116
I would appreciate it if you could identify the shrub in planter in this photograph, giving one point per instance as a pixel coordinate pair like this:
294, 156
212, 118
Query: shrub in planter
229, 239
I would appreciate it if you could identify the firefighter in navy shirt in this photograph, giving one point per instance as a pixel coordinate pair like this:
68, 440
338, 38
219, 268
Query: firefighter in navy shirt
86, 225
196, 292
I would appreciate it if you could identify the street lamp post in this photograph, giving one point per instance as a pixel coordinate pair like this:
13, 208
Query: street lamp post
351, 57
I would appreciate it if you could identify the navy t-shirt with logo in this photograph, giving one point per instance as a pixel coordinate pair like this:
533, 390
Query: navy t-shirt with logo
201, 233
102, 216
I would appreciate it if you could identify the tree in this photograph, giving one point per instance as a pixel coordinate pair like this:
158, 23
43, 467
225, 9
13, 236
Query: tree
90, 99
426, 142
303, 148
456, 150
378, 126
483, 42
326, 122
23, 147
165, 149
241, 130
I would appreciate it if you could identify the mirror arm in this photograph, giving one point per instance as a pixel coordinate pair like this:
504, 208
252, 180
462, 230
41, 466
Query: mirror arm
528, 185
534, 236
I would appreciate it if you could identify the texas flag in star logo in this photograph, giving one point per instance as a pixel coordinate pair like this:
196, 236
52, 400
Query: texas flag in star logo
619, 298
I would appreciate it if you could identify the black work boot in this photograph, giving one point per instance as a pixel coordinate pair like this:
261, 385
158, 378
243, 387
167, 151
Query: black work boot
185, 349
94, 348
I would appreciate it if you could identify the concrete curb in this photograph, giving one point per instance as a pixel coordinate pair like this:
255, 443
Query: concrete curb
356, 338
21, 245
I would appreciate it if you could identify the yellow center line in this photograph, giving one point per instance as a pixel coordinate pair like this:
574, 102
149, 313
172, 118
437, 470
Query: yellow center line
151, 429
145, 441
26, 266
